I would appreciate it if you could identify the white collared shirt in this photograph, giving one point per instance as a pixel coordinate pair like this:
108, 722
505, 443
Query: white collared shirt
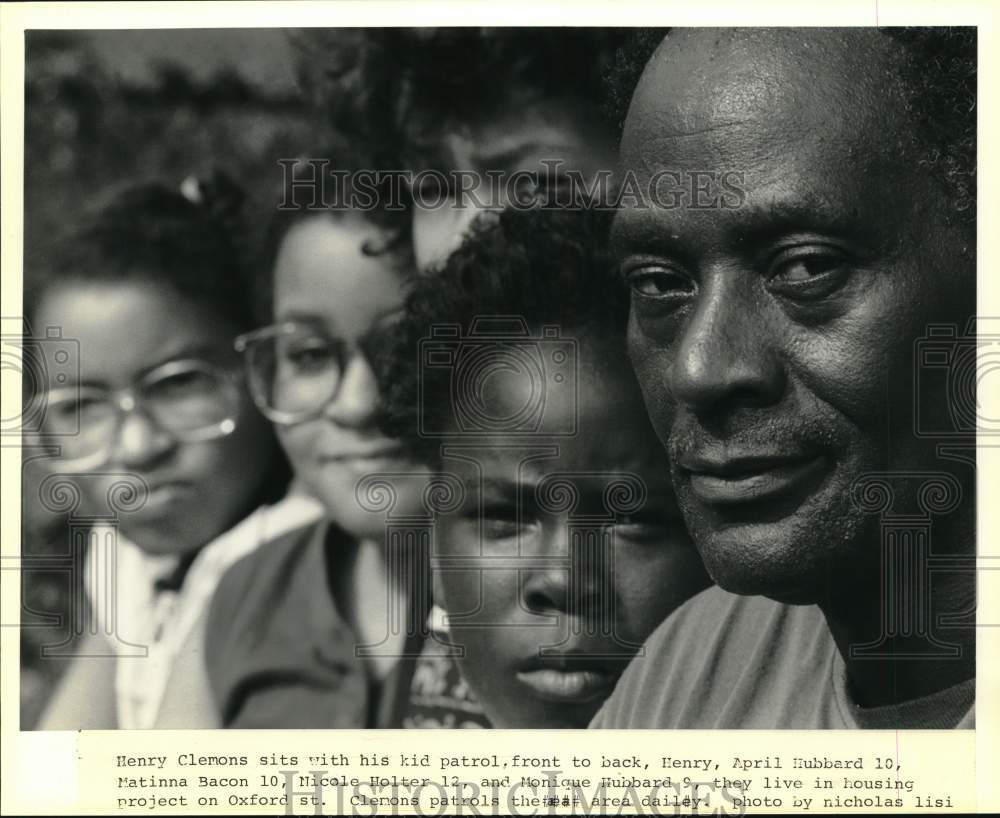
162, 620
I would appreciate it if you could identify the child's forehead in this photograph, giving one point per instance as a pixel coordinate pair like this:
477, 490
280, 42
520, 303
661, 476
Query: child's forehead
500, 462
593, 425
122, 329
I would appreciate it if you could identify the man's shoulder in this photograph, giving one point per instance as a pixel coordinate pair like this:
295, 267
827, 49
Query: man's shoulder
715, 600
701, 657
713, 620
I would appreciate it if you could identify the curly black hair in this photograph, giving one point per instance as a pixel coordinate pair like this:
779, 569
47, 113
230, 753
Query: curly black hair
348, 79
622, 75
192, 241
542, 266
398, 90
938, 78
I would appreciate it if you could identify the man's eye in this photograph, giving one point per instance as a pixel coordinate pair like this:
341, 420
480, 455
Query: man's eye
808, 267
658, 282
808, 272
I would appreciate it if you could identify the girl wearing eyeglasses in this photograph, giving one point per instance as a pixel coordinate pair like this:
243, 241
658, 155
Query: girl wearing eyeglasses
148, 393
318, 631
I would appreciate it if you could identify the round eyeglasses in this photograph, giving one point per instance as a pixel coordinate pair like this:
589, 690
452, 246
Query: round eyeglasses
294, 369
191, 400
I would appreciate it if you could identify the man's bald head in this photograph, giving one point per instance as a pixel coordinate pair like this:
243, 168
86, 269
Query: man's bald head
933, 70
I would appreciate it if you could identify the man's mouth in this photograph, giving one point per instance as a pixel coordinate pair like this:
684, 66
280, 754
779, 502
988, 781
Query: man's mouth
751, 478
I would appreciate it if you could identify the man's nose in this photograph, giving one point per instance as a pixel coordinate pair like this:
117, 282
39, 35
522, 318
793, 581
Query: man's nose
356, 398
726, 353
140, 442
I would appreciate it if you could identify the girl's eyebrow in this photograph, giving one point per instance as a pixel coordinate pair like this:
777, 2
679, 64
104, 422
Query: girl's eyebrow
508, 491
201, 350
389, 312
508, 158
301, 316
496, 486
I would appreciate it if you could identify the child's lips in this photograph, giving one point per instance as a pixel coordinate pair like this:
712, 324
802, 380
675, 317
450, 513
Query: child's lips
163, 496
371, 458
573, 677
568, 685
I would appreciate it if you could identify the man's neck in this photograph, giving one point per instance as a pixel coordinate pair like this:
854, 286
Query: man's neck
894, 649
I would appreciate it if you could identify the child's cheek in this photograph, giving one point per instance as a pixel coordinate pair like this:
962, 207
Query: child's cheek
297, 442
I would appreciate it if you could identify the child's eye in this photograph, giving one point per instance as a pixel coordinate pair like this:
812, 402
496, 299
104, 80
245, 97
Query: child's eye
500, 529
310, 355
644, 527
501, 522
433, 187
84, 406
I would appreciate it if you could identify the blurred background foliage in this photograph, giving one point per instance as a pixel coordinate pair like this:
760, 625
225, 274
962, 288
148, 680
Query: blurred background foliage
106, 108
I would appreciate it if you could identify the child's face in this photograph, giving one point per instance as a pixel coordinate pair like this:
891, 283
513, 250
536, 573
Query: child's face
524, 138
197, 490
323, 280
548, 611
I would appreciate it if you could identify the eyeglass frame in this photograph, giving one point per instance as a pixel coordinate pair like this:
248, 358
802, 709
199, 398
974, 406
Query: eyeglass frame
126, 400
345, 351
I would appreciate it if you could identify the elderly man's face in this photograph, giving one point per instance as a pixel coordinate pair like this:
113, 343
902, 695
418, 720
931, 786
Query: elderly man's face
774, 339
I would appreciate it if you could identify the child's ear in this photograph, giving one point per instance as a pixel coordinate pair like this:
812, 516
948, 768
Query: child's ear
436, 589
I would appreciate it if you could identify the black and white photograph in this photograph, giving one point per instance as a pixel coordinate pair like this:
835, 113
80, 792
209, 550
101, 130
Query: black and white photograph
484, 377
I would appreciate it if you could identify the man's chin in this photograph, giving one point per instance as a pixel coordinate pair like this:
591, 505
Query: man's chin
749, 563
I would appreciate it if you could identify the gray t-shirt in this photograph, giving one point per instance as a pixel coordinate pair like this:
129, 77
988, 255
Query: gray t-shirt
727, 661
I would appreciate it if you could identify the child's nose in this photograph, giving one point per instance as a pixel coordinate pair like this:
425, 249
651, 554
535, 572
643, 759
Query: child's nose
570, 574
547, 590
354, 404
140, 442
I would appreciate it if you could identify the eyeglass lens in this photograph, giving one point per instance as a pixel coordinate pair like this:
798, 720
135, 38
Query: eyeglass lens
296, 372
195, 400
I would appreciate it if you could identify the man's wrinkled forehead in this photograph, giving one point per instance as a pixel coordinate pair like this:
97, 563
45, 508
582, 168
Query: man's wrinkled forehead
727, 92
